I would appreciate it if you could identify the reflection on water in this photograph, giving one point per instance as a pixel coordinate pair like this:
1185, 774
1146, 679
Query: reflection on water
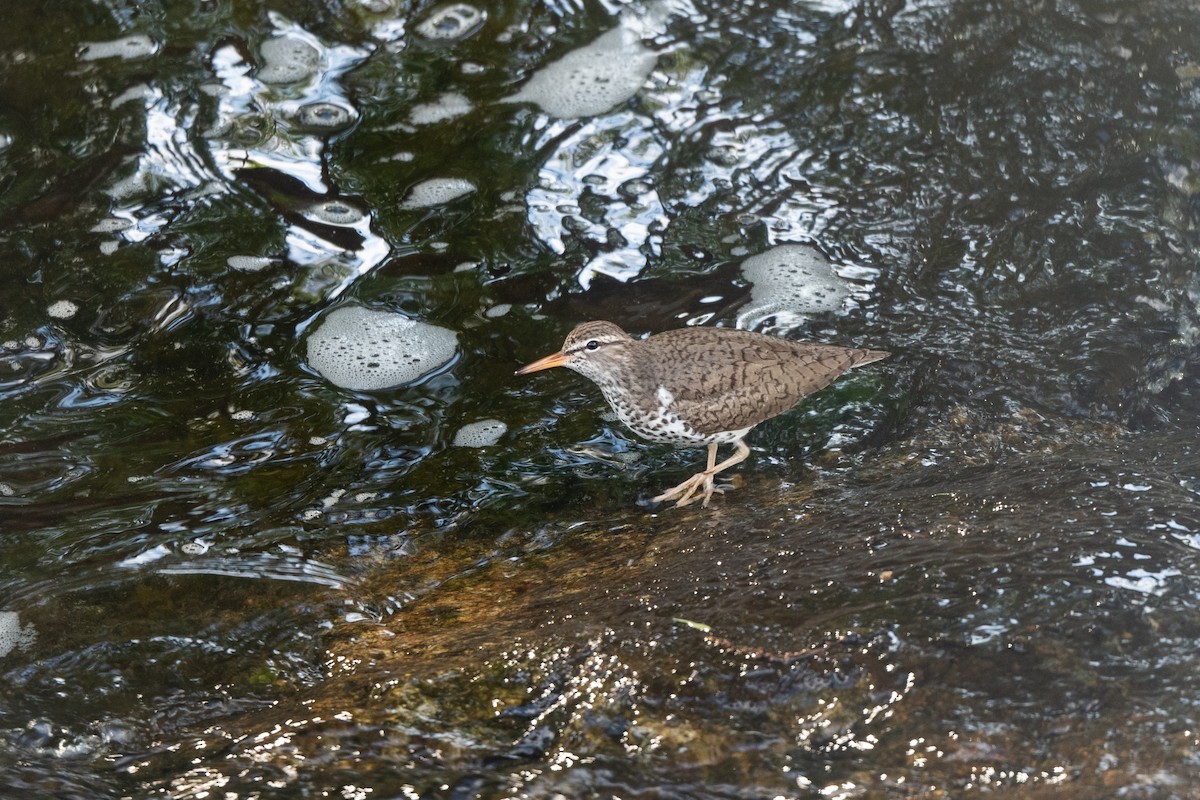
975, 570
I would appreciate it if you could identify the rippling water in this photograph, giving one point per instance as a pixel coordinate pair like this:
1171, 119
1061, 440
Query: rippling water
972, 568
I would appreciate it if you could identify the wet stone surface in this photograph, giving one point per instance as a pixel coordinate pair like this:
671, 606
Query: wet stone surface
969, 571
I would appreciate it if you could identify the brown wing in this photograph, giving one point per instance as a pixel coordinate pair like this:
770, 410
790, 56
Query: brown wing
738, 379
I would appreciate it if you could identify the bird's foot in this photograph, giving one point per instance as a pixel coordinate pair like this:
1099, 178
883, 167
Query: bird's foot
689, 492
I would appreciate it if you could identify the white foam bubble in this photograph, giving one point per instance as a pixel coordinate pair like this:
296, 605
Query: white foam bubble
447, 106
335, 212
12, 635
140, 93
790, 282
484, 433
591, 79
287, 59
363, 349
63, 309
248, 263
436, 191
111, 225
137, 45
452, 22
324, 116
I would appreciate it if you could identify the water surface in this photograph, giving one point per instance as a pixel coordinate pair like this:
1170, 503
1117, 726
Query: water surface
969, 569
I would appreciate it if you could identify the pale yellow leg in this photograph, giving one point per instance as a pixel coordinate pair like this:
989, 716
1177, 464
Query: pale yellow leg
687, 491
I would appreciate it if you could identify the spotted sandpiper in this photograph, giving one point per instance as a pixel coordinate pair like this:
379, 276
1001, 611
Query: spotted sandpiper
697, 386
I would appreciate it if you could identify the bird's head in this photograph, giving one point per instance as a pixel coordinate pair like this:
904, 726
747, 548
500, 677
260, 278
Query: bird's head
587, 350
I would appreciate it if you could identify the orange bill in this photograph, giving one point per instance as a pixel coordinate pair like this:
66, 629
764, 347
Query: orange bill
555, 360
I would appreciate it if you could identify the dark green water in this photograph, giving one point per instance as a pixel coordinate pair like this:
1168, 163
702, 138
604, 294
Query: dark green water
972, 569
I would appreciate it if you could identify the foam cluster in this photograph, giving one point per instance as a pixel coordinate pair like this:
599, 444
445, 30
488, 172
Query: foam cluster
447, 106
366, 350
591, 79
436, 192
324, 117
62, 309
244, 263
287, 59
451, 22
12, 634
137, 45
790, 282
484, 433
334, 212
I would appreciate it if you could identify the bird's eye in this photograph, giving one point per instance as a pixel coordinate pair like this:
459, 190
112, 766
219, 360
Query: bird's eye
592, 344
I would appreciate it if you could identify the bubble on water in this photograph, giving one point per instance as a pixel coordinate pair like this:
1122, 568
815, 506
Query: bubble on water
63, 309
287, 59
498, 310
137, 45
447, 106
363, 349
12, 635
437, 191
138, 182
248, 263
452, 22
111, 225
324, 116
484, 433
140, 93
790, 282
591, 79
335, 212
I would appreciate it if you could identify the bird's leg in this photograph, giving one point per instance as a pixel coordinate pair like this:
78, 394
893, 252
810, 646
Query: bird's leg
739, 455
687, 491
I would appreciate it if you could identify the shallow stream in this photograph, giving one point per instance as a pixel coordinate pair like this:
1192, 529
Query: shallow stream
971, 569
